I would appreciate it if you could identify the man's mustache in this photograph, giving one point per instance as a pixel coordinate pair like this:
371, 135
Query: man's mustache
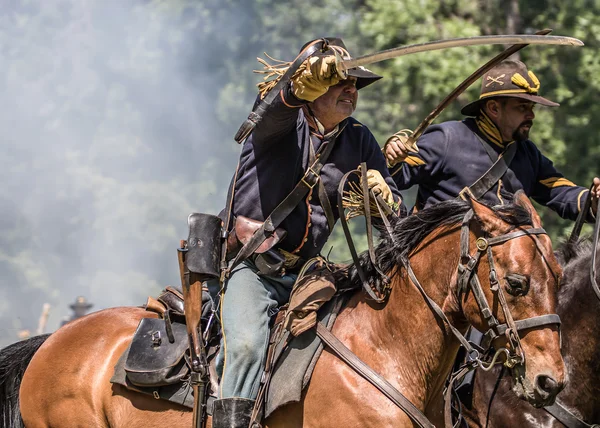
527, 123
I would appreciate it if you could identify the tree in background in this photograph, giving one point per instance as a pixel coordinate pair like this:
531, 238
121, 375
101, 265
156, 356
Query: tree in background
119, 117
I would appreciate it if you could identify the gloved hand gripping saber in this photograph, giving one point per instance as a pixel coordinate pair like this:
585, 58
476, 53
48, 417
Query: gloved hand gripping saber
199, 260
256, 115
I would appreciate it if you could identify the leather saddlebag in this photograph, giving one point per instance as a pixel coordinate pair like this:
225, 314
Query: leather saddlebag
152, 360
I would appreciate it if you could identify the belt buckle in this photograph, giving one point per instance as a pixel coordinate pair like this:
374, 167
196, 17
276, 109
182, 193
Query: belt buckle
464, 191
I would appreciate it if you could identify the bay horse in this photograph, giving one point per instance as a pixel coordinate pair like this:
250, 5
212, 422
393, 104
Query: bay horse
579, 309
66, 381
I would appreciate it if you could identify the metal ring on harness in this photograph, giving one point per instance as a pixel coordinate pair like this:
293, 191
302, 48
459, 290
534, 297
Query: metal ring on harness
481, 244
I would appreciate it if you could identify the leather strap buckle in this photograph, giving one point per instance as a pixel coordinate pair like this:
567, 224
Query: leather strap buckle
310, 178
464, 191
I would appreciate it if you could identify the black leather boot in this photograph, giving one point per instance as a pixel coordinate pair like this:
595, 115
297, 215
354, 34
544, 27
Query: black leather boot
232, 413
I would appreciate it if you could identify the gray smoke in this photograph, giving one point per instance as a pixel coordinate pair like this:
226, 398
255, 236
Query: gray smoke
117, 122
110, 138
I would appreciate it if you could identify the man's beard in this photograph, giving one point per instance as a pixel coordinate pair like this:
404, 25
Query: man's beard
521, 134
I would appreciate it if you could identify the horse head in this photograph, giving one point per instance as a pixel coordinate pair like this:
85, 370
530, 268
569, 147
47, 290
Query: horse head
508, 282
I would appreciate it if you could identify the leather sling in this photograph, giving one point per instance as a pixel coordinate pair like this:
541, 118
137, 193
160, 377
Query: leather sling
496, 171
581, 217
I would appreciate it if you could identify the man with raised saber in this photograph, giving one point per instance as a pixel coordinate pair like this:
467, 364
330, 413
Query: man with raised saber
298, 140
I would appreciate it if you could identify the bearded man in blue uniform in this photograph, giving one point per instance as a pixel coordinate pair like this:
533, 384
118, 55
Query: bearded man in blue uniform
310, 112
453, 155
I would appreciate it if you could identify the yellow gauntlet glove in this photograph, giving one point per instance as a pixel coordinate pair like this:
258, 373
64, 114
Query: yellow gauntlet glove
378, 185
398, 147
319, 74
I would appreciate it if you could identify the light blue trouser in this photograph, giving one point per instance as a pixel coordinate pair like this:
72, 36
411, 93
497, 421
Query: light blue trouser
247, 305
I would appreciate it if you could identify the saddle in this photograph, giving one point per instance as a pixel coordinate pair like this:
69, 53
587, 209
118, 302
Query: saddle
157, 361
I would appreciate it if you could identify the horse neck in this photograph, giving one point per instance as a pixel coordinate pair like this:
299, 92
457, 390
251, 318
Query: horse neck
579, 310
427, 350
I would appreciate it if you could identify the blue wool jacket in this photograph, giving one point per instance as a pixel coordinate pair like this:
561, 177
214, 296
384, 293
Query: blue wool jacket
451, 157
274, 158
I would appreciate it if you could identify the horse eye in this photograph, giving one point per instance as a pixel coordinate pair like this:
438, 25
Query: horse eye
517, 285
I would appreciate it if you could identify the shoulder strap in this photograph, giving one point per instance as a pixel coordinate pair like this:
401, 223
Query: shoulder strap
285, 207
495, 172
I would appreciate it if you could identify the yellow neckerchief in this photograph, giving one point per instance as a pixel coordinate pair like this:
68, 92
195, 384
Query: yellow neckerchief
490, 130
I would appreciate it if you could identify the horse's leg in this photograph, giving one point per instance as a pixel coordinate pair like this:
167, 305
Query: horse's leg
337, 397
343, 396
290, 416
67, 382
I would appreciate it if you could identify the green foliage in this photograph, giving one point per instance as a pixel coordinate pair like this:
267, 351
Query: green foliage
119, 118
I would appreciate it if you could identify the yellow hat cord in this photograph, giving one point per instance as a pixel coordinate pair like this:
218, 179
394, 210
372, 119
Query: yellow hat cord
521, 82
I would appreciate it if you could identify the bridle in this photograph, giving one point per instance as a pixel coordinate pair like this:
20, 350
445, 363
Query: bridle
467, 280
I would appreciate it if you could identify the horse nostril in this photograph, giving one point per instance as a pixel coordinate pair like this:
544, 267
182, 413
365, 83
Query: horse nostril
548, 384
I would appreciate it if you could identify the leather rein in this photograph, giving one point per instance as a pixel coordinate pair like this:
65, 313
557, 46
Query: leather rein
467, 281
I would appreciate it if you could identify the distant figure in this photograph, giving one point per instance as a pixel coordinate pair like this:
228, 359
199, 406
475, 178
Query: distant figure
23, 334
79, 308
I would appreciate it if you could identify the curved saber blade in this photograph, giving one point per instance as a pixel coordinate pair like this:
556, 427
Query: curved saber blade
514, 39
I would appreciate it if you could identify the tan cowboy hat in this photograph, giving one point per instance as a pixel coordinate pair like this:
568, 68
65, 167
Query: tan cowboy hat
508, 79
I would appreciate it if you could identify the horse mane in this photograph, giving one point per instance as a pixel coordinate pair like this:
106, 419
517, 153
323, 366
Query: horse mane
410, 231
569, 250
575, 259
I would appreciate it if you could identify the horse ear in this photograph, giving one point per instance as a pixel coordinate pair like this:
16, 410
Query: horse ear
488, 219
521, 199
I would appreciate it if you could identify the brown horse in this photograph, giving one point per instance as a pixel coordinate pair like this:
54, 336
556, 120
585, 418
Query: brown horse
579, 309
66, 383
